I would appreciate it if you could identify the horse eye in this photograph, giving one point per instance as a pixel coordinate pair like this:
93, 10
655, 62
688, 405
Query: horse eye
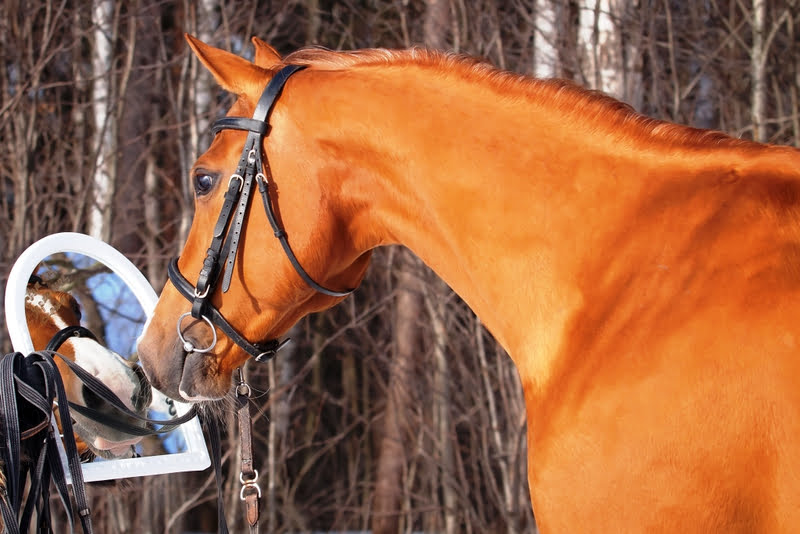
78, 312
76, 309
203, 182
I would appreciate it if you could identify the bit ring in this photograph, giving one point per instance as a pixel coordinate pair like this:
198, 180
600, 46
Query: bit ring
188, 346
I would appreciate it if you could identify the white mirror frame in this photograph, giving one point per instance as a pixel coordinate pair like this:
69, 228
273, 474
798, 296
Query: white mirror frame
195, 458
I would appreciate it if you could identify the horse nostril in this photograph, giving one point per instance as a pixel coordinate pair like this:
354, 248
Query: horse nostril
143, 394
91, 399
143, 397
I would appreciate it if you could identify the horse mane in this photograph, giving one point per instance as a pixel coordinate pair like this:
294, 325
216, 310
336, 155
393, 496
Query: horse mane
584, 105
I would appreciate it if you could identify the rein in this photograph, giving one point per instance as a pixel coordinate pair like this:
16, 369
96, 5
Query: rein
32, 383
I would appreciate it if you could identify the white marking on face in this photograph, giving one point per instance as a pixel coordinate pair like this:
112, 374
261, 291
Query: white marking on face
37, 300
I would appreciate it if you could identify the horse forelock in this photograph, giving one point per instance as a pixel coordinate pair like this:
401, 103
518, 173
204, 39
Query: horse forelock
564, 96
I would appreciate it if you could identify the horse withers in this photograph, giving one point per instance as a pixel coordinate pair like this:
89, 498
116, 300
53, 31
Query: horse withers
643, 276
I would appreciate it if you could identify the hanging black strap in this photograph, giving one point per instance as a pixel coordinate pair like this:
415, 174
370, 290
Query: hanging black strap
212, 431
32, 383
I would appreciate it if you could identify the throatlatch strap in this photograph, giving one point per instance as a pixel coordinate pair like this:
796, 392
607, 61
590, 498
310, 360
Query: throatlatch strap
263, 187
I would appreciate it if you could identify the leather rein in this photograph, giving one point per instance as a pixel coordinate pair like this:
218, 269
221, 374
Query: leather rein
222, 252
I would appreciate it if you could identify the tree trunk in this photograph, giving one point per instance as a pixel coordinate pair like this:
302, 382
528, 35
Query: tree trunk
394, 443
758, 89
629, 15
99, 216
545, 39
442, 402
599, 47
795, 85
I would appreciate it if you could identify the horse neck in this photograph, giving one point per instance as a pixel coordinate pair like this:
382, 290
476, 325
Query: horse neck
503, 198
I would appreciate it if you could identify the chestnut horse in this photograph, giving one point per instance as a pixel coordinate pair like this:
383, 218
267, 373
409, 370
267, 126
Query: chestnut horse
47, 312
643, 276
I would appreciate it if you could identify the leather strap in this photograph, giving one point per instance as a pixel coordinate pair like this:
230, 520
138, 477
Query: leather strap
237, 225
248, 476
65, 333
273, 90
212, 431
263, 188
35, 380
209, 272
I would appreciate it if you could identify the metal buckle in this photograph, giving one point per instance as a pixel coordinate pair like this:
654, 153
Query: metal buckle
270, 353
251, 156
247, 484
241, 180
202, 295
187, 345
242, 387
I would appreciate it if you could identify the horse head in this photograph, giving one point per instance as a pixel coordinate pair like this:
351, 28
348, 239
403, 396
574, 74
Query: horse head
267, 284
48, 313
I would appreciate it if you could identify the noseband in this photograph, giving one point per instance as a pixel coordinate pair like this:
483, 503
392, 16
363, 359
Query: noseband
229, 225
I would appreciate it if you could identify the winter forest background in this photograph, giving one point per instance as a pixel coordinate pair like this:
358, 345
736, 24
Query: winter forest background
396, 411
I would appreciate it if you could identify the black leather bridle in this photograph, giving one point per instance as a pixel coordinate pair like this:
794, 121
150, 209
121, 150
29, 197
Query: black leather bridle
229, 225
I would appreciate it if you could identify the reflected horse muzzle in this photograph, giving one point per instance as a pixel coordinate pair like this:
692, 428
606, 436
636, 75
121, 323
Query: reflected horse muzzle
188, 346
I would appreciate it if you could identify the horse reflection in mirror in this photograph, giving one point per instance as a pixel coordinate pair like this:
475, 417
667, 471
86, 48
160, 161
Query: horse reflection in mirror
643, 276
47, 312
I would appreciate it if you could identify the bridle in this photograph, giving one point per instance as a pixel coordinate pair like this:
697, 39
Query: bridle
229, 225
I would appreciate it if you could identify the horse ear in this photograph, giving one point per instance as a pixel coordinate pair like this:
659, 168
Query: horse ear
266, 56
233, 73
